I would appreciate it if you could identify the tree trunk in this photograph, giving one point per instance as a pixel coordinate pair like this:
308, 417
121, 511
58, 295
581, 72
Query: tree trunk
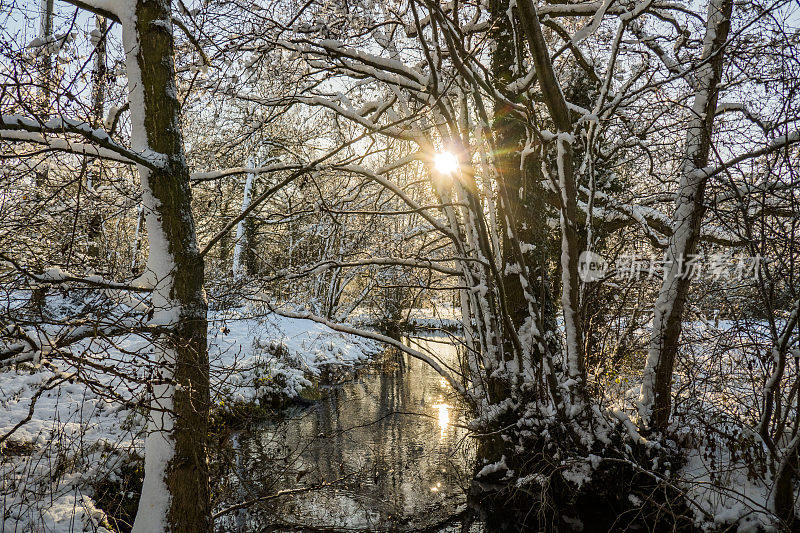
570, 239
251, 259
175, 495
99, 73
783, 501
523, 179
95, 222
242, 244
46, 77
38, 298
655, 399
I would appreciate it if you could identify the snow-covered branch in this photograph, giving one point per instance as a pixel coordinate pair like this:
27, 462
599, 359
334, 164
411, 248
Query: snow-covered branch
20, 128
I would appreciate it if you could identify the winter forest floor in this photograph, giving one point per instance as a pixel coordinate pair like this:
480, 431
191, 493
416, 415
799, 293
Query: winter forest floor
71, 459
76, 438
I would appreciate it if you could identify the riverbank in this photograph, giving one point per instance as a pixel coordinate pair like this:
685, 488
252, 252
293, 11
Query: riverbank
71, 440
385, 451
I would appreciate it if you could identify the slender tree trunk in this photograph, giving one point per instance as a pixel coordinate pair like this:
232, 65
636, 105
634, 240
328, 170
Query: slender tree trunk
46, 74
783, 499
242, 242
38, 298
175, 495
136, 237
46, 57
99, 75
95, 222
251, 238
771, 389
655, 399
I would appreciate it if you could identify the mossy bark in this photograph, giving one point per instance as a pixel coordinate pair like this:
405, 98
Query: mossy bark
186, 475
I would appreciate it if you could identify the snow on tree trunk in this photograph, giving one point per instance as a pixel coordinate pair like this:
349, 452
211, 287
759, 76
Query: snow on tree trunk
782, 499
522, 207
46, 36
772, 384
99, 71
655, 397
570, 249
45, 77
39, 294
175, 494
241, 235
136, 232
570, 244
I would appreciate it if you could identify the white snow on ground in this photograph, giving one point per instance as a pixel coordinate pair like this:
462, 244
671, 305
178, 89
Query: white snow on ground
438, 316
441, 316
715, 380
82, 437
76, 436
722, 489
275, 355
714, 388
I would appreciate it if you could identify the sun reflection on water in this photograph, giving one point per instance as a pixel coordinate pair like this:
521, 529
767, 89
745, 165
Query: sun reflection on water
444, 418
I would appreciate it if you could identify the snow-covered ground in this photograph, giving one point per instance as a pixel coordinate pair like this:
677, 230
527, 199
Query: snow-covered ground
275, 355
718, 385
437, 316
717, 404
78, 435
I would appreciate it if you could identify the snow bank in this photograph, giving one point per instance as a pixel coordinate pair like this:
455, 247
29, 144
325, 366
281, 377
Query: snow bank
77, 436
253, 358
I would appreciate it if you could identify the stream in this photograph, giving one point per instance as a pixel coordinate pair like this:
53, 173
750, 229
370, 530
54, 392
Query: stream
378, 453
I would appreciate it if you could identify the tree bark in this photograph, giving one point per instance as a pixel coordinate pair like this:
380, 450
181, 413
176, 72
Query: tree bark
783, 500
175, 495
655, 399
570, 239
243, 228
38, 297
46, 78
95, 221
523, 208
46, 61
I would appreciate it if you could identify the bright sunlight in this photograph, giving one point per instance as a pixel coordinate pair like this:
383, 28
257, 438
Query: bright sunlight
445, 163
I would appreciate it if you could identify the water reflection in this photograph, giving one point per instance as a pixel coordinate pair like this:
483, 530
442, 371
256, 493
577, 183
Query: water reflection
444, 418
388, 443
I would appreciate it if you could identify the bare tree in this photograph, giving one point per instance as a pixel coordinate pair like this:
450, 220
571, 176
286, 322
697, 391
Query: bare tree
656, 387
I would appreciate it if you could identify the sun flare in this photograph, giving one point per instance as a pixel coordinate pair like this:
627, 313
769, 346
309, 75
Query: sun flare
445, 163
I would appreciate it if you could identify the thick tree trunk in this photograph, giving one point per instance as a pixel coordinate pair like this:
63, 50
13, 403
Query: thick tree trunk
783, 500
655, 399
570, 239
175, 495
522, 177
